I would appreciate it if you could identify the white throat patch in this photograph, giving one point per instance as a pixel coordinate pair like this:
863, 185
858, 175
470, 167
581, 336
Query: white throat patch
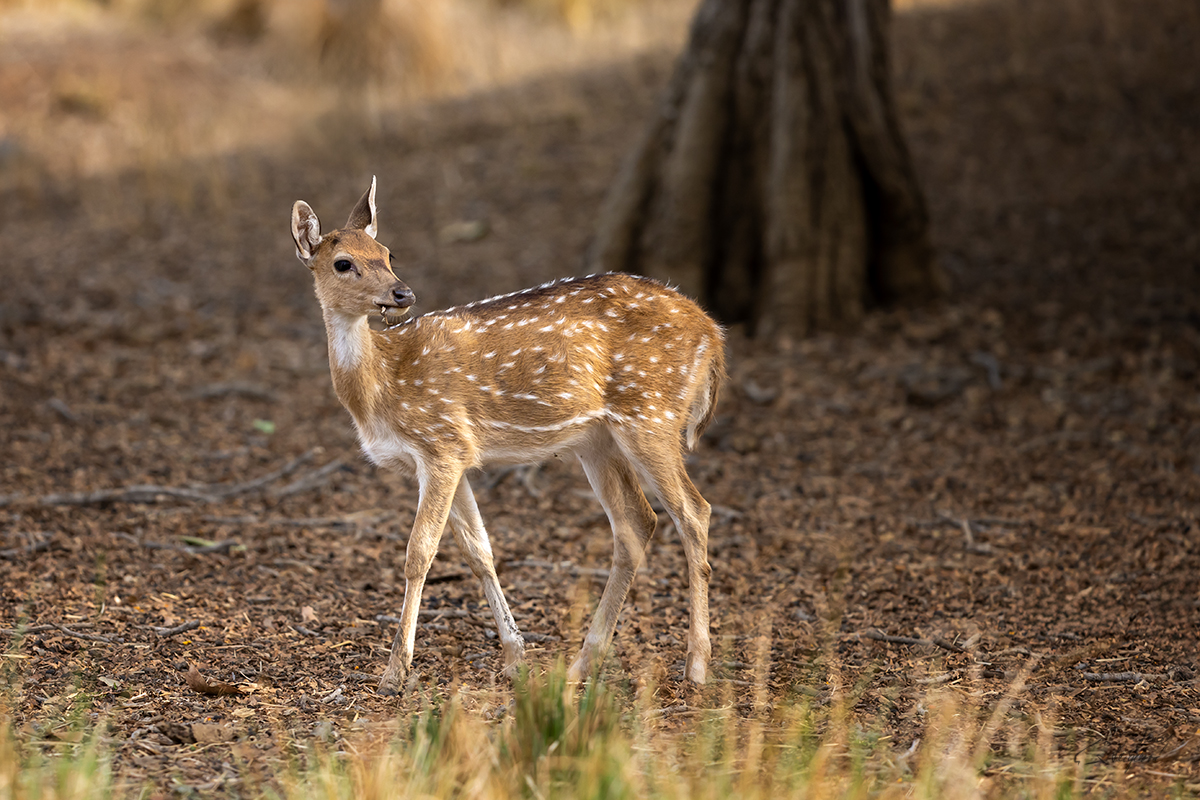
349, 338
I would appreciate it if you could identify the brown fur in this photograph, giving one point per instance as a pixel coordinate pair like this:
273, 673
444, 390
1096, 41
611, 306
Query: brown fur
615, 368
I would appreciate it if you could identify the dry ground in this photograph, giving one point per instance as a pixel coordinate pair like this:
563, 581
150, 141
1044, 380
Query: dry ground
1015, 471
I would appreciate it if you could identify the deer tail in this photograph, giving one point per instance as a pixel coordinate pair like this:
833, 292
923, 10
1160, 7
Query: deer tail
704, 402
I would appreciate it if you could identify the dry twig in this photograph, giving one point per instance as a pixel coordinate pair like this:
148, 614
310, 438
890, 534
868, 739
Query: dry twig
36, 547
22, 631
310, 481
936, 641
152, 493
252, 391
1123, 677
196, 550
190, 625
565, 566
90, 637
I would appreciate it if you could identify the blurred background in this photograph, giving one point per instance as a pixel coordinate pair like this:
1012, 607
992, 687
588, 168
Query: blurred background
156, 327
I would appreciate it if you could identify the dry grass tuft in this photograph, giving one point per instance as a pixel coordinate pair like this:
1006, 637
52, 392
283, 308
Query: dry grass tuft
373, 42
553, 739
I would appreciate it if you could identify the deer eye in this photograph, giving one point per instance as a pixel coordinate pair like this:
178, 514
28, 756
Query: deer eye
342, 265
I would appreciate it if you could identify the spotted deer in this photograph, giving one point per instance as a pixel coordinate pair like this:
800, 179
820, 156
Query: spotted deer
618, 369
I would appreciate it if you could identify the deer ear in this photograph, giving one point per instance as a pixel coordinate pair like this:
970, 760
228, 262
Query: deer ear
306, 230
363, 217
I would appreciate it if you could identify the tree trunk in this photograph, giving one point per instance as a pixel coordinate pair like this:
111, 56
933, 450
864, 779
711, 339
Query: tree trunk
773, 182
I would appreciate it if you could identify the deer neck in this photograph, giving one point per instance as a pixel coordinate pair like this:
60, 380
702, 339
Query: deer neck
353, 361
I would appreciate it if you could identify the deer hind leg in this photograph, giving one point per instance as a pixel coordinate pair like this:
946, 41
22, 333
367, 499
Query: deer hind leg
433, 508
662, 468
616, 486
472, 538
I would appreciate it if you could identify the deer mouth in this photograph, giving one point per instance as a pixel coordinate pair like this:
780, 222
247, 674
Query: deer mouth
392, 314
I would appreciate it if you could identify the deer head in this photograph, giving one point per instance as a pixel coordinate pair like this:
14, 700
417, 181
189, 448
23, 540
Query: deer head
353, 272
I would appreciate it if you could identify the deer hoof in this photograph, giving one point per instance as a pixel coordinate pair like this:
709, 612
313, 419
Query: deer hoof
697, 668
389, 684
579, 671
512, 668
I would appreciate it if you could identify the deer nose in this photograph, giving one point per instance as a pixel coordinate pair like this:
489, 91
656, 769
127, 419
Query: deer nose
403, 296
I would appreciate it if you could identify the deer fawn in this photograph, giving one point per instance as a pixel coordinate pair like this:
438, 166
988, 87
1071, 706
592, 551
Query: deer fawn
617, 369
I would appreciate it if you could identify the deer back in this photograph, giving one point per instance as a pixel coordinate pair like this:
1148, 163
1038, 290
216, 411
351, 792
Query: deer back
518, 376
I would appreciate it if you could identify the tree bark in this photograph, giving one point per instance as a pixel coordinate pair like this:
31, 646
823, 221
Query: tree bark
773, 182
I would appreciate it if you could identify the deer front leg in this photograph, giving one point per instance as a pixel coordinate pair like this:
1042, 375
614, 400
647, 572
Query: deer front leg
472, 538
433, 508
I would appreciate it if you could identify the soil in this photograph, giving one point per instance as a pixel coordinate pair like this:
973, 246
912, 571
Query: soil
1010, 477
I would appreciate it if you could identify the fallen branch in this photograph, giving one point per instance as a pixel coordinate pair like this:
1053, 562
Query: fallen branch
190, 625
90, 637
434, 614
566, 566
19, 631
934, 680
253, 391
972, 546
678, 708
309, 481
1123, 677
214, 547
270, 477
142, 493
36, 547
195, 550
358, 519
946, 520
153, 493
936, 641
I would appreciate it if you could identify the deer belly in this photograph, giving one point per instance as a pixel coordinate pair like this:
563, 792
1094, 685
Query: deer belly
510, 442
389, 451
